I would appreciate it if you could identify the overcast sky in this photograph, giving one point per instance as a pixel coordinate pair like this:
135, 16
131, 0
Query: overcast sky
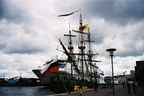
29, 32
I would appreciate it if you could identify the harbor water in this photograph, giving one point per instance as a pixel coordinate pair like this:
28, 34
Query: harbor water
25, 91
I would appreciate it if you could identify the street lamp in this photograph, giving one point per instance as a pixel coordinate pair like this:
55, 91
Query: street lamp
111, 51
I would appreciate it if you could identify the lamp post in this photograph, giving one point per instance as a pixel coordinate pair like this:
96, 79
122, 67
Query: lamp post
111, 51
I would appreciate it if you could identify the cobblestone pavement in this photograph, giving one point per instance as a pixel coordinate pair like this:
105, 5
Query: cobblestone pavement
119, 91
123, 91
100, 92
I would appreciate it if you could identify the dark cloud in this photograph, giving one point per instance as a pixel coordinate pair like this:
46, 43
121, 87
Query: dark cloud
14, 40
116, 10
18, 47
12, 12
130, 53
135, 48
23, 49
2, 45
132, 39
97, 37
1, 9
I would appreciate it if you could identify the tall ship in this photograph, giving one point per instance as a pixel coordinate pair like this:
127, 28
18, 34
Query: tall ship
80, 57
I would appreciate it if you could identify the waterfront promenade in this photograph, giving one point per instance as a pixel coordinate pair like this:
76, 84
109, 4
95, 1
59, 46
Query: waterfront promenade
119, 91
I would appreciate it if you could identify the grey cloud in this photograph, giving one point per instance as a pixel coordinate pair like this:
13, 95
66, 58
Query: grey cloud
116, 10
128, 39
133, 49
130, 53
1, 9
14, 39
12, 12
18, 46
22, 49
97, 37
17, 35
132, 39
3, 66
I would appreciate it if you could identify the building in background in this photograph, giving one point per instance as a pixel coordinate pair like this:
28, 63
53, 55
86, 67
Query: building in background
139, 72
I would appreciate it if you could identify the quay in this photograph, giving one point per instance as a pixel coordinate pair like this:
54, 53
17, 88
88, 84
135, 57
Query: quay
119, 91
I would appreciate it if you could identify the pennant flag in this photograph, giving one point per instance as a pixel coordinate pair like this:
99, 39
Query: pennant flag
68, 14
84, 28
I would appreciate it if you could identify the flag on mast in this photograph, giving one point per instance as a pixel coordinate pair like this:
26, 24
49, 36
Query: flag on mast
84, 29
68, 14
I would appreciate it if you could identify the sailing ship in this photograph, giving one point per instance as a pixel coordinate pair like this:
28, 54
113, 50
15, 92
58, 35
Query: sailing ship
83, 68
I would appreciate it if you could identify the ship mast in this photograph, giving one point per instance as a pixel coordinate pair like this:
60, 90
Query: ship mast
82, 60
70, 48
90, 54
81, 46
90, 57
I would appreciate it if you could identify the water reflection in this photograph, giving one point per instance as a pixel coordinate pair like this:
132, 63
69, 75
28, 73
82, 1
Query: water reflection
24, 91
